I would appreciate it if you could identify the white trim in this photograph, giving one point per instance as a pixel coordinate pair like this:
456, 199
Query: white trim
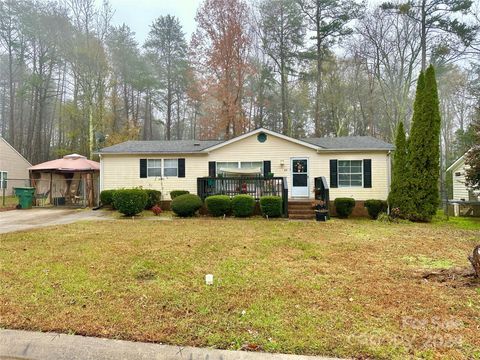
260, 130
458, 161
307, 196
11, 147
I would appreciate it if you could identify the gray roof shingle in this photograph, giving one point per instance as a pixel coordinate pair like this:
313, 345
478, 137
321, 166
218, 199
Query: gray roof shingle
159, 146
350, 143
193, 146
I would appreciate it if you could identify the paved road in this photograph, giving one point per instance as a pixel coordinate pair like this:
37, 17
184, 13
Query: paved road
15, 344
16, 220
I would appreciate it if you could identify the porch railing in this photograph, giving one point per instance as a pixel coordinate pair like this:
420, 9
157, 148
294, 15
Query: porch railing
254, 186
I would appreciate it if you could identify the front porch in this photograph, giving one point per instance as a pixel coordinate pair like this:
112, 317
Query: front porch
258, 186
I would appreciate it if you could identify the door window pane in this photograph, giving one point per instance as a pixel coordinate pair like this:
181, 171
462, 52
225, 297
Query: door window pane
300, 166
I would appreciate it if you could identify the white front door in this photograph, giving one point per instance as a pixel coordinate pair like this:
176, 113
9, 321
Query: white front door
299, 177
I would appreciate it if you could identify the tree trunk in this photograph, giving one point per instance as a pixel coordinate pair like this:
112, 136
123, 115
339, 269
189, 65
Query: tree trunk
475, 260
318, 129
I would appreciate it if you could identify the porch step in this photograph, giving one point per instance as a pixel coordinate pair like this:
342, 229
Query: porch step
300, 210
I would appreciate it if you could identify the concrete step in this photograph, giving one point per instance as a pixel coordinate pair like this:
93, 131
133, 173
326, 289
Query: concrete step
306, 211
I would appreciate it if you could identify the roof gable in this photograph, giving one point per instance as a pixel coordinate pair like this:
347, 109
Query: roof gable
457, 163
15, 151
258, 131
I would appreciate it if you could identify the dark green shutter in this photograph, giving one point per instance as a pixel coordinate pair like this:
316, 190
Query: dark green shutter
333, 174
212, 169
143, 168
267, 167
181, 168
367, 173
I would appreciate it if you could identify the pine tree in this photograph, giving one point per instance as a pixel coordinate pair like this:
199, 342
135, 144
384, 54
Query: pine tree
424, 149
399, 192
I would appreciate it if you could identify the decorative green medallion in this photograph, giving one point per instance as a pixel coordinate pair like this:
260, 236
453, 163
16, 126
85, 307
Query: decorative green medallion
262, 137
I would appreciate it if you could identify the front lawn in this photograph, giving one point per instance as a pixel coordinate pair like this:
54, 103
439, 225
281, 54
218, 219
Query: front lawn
342, 288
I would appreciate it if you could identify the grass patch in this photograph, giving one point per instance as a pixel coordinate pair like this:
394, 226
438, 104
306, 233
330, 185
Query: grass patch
459, 222
345, 288
10, 201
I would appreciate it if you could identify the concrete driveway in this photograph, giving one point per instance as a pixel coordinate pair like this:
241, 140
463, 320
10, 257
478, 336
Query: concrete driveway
16, 220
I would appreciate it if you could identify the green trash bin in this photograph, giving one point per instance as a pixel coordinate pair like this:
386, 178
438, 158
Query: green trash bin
25, 196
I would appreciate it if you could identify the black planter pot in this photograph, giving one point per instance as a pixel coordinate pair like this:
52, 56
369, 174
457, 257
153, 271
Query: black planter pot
321, 215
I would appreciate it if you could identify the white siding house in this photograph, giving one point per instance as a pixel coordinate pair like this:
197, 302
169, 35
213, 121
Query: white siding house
12, 166
357, 167
460, 190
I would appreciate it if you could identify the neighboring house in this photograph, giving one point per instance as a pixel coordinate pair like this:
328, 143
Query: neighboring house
13, 168
357, 167
460, 190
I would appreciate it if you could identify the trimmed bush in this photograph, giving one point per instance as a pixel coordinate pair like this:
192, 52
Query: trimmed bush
375, 207
344, 207
271, 206
218, 205
243, 205
130, 201
106, 197
186, 205
154, 197
175, 193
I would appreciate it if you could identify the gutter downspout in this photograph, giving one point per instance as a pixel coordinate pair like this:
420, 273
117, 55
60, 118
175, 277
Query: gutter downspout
101, 174
389, 175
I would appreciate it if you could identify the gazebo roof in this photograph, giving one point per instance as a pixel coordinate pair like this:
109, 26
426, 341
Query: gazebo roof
69, 163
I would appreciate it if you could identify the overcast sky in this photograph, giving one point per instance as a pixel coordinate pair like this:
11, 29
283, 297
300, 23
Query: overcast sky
139, 14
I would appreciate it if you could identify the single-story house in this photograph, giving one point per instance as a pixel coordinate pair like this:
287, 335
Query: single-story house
356, 166
13, 168
460, 189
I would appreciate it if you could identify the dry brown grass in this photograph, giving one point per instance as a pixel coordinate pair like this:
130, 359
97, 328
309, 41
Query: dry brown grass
343, 288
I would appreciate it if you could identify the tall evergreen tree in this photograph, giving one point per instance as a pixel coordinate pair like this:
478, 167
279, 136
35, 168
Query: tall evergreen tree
424, 149
399, 195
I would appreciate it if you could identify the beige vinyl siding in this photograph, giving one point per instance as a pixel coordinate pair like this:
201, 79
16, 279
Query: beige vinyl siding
124, 170
14, 164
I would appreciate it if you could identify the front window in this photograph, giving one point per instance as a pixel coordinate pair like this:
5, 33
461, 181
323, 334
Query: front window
232, 168
170, 167
154, 167
350, 173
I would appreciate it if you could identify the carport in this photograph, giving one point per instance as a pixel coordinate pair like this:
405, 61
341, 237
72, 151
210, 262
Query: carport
71, 181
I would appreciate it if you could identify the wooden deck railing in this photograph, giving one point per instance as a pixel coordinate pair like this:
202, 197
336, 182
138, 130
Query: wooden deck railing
255, 186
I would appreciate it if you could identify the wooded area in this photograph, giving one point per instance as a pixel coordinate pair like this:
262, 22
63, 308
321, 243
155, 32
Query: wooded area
72, 82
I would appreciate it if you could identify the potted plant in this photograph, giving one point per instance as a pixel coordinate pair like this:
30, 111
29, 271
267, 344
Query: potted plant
321, 211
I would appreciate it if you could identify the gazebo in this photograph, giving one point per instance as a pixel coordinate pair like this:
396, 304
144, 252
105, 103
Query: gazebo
71, 180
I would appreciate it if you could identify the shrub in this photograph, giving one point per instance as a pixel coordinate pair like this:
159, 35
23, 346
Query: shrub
154, 197
344, 207
243, 205
175, 193
186, 205
218, 205
375, 207
106, 197
271, 206
130, 201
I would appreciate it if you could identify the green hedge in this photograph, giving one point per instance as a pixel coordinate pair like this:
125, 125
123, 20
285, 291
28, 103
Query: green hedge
106, 197
130, 201
344, 207
271, 206
218, 205
243, 205
186, 205
154, 197
375, 207
175, 193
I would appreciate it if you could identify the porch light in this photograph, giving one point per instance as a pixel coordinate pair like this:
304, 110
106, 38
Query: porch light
282, 162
